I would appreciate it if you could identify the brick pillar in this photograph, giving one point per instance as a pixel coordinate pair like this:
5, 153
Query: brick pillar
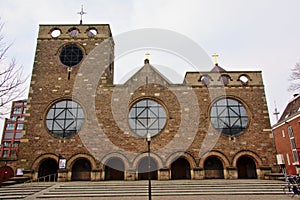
130, 175
262, 171
164, 174
197, 173
62, 175
231, 173
96, 175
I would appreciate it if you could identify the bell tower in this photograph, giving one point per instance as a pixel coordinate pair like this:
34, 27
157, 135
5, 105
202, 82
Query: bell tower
54, 116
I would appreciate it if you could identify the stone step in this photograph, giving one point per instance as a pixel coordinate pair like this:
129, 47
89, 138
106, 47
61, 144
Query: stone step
116, 189
20, 191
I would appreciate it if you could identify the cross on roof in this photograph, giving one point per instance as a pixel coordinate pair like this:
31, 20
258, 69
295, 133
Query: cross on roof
215, 55
81, 13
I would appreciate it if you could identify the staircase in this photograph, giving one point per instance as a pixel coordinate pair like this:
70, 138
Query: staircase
116, 189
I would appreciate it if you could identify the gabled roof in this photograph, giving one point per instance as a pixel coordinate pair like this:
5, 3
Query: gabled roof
217, 68
292, 108
149, 71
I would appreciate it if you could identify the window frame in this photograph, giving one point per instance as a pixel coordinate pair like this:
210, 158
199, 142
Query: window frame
141, 129
65, 112
71, 55
223, 117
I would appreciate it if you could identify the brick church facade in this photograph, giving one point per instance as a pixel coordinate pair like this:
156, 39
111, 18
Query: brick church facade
82, 126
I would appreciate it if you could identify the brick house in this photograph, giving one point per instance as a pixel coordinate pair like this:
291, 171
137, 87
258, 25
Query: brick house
12, 134
286, 134
82, 126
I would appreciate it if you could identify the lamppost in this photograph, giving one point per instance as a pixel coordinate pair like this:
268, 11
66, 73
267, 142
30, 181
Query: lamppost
149, 166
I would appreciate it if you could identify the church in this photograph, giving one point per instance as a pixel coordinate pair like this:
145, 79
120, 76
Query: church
79, 125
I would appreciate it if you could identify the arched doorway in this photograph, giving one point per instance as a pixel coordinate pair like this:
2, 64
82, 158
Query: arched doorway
246, 168
180, 169
143, 169
48, 167
213, 168
81, 170
114, 169
6, 173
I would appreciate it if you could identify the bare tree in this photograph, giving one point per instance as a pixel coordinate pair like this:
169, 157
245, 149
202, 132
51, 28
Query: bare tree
295, 78
12, 78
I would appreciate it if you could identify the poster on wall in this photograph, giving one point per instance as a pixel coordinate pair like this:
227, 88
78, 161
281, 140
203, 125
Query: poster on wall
20, 171
62, 163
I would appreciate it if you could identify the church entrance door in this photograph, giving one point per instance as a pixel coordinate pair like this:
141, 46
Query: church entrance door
143, 169
114, 169
180, 169
48, 167
213, 168
81, 170
246, 168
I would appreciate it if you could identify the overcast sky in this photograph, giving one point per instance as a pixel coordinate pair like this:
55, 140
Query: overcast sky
247, 34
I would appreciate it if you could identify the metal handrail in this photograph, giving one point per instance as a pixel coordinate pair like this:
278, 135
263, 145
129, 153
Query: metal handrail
47, 178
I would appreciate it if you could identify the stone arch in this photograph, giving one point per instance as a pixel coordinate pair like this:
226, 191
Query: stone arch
254, 156
36, 163
107, 157
6, 172
144, 171
74, 158
244, 79
217, 154
154, 156
224, 79
247, 164
83, 48
81, 170
205, 79
114, 169
173, 157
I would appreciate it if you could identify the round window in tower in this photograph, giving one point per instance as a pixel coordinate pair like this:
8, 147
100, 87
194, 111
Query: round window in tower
228, 116
71, 55
147, 116
65, 118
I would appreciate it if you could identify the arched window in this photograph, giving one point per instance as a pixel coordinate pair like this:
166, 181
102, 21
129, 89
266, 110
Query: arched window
228, 116
65, 118
147, 116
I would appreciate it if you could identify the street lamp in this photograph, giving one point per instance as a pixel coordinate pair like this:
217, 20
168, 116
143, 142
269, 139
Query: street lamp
149, 166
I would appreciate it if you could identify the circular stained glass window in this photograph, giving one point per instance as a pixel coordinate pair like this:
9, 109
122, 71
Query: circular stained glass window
65, 118
147, 116
228, 116
71, 55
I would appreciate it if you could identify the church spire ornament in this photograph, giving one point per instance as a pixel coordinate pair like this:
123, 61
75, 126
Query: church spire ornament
215, 56
81, 13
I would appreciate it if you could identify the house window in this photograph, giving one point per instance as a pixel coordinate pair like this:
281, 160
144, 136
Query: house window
16, 144
13, 153
283, 134
20, 126
17, 110
10, 126
5, 154
8, 135
288, 159
293, 144
6, 144
18, 135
